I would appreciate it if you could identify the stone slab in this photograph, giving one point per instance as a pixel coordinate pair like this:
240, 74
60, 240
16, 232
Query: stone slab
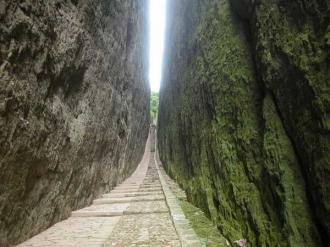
92, 231
131, 194
102, 210
149, 230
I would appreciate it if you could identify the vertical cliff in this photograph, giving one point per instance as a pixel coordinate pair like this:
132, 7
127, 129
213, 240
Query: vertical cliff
243, 118
74, 106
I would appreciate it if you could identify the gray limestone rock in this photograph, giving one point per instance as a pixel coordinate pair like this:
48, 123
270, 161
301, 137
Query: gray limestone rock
240, 243
73, 79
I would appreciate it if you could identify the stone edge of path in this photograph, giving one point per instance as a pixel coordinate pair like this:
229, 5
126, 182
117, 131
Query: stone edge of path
182, 225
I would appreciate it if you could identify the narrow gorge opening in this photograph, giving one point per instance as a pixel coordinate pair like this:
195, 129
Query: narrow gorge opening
157, 29
234, 93
157, 20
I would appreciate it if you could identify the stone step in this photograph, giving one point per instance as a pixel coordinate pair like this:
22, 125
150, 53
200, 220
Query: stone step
150, 186
138, 186
130, 194
96, 214
129, 212
154, 183
151, 182
126, 187
104, 210
131, 182
122, 190
112, 200
127, 199
75, 231
136, 190
114, 214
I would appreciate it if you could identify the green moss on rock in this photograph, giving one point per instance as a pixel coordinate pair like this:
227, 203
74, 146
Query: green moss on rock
241, 113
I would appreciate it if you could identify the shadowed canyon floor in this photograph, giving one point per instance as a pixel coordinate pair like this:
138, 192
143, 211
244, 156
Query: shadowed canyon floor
142, 211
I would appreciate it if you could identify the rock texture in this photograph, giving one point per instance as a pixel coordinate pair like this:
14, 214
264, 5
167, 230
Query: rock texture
244, 116
74, 106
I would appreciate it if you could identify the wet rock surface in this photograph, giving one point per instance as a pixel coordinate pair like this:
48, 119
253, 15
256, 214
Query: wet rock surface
243, 116
74, 106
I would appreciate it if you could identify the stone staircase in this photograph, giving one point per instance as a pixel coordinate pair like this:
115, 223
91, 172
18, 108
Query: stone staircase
141, 211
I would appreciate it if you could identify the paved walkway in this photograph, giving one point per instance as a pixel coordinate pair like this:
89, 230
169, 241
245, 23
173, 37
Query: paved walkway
141, 211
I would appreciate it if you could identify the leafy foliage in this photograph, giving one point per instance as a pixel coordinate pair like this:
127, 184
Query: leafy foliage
154, 101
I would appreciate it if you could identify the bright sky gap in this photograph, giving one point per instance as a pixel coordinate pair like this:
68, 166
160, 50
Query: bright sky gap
157, 28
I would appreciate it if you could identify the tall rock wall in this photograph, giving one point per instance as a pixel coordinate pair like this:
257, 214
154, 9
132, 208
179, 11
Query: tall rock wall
244, 116
74, 106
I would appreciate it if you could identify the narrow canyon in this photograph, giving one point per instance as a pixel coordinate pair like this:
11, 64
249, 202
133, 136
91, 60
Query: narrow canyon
243, 124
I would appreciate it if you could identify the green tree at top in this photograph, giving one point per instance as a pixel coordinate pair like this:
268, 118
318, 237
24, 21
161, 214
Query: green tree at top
154, 101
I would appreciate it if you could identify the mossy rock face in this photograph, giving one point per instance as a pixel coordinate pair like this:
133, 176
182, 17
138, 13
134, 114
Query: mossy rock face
293, 61
243, 116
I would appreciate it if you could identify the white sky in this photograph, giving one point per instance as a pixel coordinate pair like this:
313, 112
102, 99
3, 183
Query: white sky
157, 26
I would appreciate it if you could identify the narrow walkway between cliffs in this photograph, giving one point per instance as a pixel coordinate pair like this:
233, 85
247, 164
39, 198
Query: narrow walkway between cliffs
142, 211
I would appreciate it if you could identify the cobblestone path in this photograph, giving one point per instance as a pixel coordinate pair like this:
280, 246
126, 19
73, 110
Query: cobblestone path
141, 211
